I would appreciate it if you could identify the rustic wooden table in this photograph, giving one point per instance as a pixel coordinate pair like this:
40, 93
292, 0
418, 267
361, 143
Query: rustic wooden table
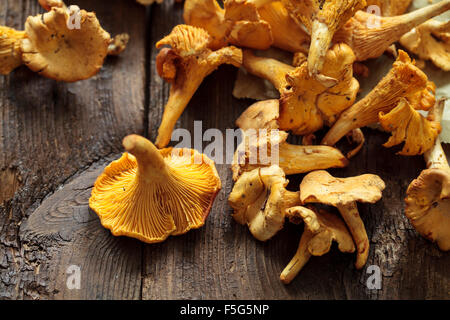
55, 138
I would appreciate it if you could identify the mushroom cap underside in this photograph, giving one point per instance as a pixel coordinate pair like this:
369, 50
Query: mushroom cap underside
150, 210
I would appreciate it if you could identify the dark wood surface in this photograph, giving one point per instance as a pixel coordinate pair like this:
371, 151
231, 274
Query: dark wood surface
55, 139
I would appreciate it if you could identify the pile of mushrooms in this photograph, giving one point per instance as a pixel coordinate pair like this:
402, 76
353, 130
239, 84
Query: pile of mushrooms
50, 47
152, 192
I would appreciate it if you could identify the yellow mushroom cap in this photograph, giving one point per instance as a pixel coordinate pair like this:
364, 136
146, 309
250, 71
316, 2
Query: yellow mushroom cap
57, 52
321, 187
428, 206
150, 194
10, 52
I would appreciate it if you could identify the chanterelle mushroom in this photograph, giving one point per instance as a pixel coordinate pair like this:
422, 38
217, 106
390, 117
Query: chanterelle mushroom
10, 52
430, 41
149, 2
321, 229
322, 19
150, 194
260, 200
239, 23
185, 66
409, 126
265, 148
306, 105
57, 52
389, 8
428, 197
404, 80
344, 193
369, 36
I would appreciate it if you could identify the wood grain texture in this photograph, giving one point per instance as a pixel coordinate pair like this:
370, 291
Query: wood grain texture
56, 138
49, 131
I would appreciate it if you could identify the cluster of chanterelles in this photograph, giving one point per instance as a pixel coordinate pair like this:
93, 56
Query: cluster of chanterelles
51, 46
317, 90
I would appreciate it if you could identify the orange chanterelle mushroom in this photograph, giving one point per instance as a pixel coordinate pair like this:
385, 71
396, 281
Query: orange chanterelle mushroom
10, 51
428, 197
184, 66
322, 19
150, 194
64, 44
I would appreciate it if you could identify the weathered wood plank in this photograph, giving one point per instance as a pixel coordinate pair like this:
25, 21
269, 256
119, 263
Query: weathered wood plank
48, 132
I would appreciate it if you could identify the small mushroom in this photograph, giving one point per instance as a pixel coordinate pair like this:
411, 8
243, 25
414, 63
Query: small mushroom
322, 19
409, 126
260, 200
57, 52
10, 52
306, 105
150, 194
390, 8
321, 229
288, 34
404, 80
430, 41
344, 193
369, 35
118, 44
185, 66
239, 23
428, 196
266, 148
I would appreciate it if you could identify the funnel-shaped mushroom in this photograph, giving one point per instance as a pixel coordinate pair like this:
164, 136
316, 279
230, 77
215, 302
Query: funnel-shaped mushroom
409, 126
10, 52
306, 105
185, 66
322, 19
239, 23
260, 200
430, 41
57, 52
288, 34
321, 229
428, 196
150, 194
404, 80
390, 8
369, 35
344, 193
266, 148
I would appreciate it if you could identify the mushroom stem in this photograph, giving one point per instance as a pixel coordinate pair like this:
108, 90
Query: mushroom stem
179, 97
403, 80
290, 199
435, 157
150, 162
320, 42
266, 68
356, 227
368, 41
299, 260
